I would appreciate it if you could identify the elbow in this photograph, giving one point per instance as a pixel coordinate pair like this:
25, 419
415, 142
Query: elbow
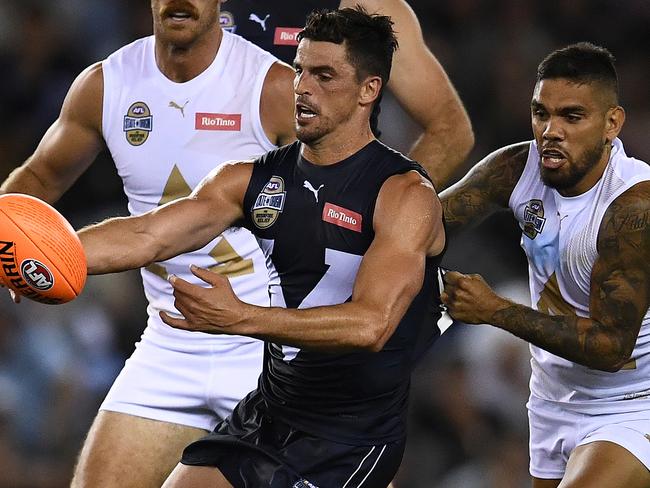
153, 253
465, 137
375, 333
614, 361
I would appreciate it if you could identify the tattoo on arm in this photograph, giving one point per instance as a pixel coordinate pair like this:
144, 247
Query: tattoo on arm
620, 280
581, 340
619, 295
486, 188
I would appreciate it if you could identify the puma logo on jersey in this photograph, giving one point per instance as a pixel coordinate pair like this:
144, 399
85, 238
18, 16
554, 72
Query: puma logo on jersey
262, 22
315, 191
173, 104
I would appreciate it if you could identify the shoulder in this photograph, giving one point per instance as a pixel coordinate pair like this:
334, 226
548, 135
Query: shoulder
92, 76
277, 104
408, 209
496, 175
410, 190
279, 79
409, 183
628, 216
228, 176
514, 156
85, 97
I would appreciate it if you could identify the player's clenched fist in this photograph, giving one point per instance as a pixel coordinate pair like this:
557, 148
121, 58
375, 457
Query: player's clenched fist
470, 299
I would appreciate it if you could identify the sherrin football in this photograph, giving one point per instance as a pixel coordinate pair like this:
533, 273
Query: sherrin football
41, 257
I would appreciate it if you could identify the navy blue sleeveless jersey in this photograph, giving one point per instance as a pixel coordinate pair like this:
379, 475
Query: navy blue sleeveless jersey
314, 224
272, 25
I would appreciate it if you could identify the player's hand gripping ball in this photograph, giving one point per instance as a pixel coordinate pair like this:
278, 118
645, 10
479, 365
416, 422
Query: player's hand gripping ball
41, 256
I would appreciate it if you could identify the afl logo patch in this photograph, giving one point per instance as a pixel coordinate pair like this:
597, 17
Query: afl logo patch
227, 21
534, 219
269, 203
37, 275
138, 122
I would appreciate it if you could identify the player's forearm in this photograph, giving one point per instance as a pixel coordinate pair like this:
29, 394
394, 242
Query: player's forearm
24, 180
117, 244
344, 327
581, 340
443, 147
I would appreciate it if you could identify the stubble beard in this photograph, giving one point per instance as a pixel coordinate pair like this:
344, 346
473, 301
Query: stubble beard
576, 168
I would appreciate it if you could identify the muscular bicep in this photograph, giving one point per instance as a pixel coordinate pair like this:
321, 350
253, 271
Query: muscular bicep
69, 146
408, 228
485, 189
620, 279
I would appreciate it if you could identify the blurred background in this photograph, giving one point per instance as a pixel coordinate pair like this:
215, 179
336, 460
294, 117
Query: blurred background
468, 425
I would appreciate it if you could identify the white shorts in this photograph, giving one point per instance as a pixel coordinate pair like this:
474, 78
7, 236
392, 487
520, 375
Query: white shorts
186, 378
555, 431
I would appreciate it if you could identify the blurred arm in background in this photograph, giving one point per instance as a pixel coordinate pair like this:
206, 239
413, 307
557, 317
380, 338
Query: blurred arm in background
68, 147
424, 90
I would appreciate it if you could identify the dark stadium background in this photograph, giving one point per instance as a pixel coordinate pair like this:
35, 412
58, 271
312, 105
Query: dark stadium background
468, 420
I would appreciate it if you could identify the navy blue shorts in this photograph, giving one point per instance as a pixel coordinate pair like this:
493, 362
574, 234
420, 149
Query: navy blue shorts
254, 450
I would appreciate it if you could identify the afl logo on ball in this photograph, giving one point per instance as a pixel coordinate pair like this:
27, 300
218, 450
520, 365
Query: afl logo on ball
36, 275
269, 203
138, 122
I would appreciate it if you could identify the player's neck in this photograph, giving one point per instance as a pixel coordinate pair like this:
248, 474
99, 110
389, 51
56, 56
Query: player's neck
181, 63
338, 145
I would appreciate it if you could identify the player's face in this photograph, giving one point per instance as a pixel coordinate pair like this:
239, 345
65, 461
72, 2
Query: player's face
571, 125
326, 89
182, 22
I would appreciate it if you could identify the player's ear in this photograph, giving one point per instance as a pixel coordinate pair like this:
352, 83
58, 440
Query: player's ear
615, 118
370, 90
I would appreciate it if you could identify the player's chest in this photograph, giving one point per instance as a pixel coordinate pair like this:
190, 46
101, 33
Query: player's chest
557, 235
146, 122
306, 211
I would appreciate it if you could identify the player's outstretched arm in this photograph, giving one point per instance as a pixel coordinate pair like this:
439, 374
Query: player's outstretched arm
424, 90
485, 189
408, 227
180, 226
69, 146
619, 295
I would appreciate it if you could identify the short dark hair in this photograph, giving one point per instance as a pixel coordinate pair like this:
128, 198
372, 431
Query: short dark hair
582, 62
370, 39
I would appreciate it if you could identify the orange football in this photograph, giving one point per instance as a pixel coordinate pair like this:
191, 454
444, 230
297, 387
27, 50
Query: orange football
41, 256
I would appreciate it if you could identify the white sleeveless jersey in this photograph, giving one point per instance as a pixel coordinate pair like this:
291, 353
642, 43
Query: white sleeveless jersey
165, 137
559, 236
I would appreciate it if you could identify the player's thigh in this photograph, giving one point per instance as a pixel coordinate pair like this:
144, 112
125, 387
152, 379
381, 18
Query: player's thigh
192, 476
127, 451
540, 483
604, 464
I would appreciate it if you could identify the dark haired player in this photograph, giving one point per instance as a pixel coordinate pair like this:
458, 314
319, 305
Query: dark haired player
584, 209
353, 234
